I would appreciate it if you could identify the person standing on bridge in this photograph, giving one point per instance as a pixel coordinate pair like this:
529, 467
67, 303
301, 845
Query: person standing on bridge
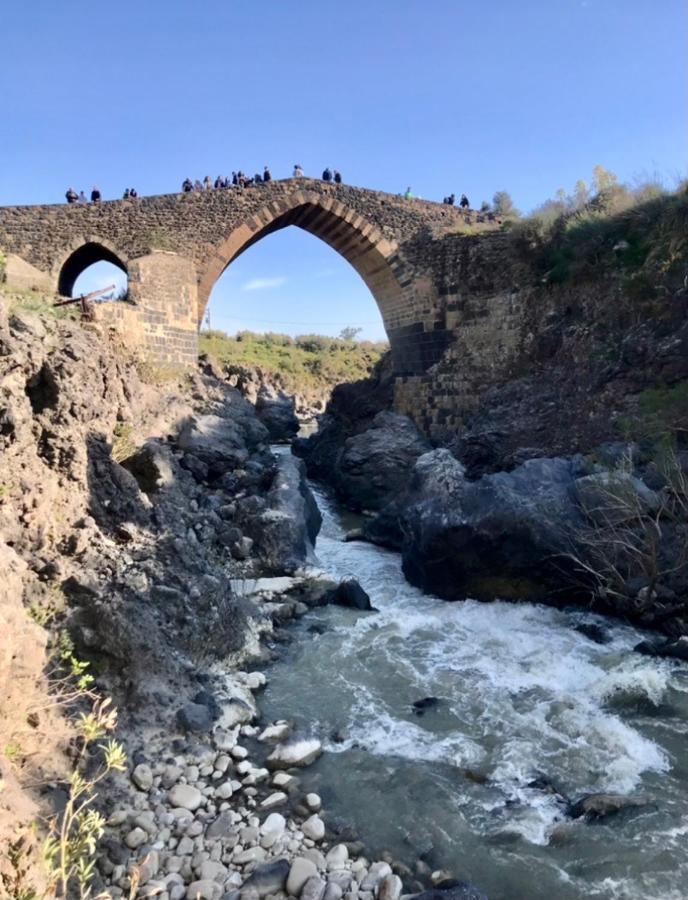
82, 197
95, 195
327, 175
207, 183
267, 174
133, 193
298, 172
408, 195
463, 202
71, 195
337, 176
187, 186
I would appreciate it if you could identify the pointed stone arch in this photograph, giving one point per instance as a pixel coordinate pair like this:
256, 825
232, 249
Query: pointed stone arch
374, 256
81, 255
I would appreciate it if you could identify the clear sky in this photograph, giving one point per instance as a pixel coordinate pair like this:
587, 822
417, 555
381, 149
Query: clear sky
442, 95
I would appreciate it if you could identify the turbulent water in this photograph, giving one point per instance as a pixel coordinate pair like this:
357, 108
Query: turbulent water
523, 696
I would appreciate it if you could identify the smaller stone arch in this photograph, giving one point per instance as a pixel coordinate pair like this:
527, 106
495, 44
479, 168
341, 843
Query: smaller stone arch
84, 255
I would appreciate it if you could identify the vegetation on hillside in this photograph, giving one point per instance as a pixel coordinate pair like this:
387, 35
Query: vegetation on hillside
641, 232
305, 362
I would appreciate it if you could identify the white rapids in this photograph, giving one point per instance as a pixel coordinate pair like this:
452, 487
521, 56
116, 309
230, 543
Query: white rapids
524, 701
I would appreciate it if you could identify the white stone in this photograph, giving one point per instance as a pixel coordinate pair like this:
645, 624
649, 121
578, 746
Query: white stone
276, 799
239, 752
337, 857
313, 802
274, 733
282, 779
224, 791
185, 796
253, 854
301, 870
377, 872
314, 828
295, 753
313, 889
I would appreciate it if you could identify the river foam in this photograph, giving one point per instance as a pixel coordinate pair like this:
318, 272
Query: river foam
529, 713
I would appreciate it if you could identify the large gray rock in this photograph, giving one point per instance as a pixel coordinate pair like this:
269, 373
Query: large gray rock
284, 529
375, 465
505, 535
217, 442
614, 498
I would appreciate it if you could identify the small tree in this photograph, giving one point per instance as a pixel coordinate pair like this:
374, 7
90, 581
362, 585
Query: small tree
503, 205
349, 333
603, 179
581, 194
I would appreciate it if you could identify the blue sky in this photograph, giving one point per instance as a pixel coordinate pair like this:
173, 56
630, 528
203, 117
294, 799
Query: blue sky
446, 95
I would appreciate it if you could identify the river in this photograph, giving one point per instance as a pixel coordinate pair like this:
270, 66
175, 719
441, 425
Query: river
525, 700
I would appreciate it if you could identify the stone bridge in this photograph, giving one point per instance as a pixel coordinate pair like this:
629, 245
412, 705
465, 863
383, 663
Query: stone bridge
174, 248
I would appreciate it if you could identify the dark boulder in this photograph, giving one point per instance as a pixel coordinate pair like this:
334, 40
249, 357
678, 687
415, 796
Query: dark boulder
374, 466
599, 806
505, 535
669, 649
277, 412
285, 525
348, 593
594, 632
216, 441
152, 467
195, 717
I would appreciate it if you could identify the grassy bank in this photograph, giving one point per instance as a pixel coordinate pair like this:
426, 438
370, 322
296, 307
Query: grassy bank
304, 363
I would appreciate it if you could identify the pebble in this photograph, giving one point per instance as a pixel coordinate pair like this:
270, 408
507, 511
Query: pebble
135, 838
203, 890
282, 779
313, 889
185, 796
299, 873
142, 776
295, 753
377, 872
333, 891
337, 857
314, 828
313, 802
274, 733
390, 888
276, 799
253, 854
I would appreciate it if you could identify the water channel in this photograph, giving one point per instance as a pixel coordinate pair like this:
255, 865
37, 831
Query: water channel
525, 701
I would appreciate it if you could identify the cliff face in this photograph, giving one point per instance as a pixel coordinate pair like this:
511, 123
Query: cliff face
556, 340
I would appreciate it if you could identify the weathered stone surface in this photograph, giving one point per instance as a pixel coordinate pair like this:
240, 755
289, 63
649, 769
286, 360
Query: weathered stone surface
269, 878
185, 796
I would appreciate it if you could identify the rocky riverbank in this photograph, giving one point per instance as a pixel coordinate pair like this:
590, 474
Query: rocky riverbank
145, 521
607, 527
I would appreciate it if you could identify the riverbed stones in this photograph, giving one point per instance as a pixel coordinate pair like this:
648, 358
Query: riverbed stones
337, 857
294, 754
203, 890
185, 796
299, 873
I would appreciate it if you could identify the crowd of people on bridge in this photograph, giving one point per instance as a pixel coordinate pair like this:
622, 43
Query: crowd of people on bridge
241, 180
